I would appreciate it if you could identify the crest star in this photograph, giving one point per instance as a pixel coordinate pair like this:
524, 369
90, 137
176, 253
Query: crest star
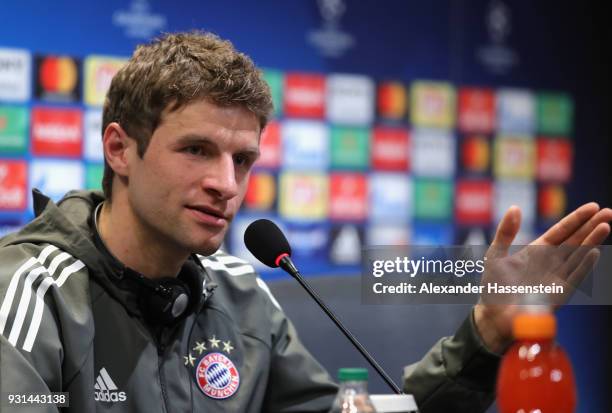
214, 342
227, 346
200, 347
189, 359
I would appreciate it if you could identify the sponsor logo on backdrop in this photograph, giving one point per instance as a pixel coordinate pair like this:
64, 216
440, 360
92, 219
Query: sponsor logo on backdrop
13, 129
552, 202
471, 235
8, 228
56, 177
392, 101
350, 148
433, 152
58, 78
475, 153
139, 22
99, 72
275, 79
350, 100
304, 95
305, 145
303, 196
390, 149
554, 160
476, 110
15, 72
345, 243
348, 196
13, 185
270, 146
56, 132
433, 198
390, 197
516, 112
93, 176
513, 192
261, 191
92, 125
474, 202
497, 56
308, 240
387, 234
433, 104
330, 39
514, 157
431, 233
555, 114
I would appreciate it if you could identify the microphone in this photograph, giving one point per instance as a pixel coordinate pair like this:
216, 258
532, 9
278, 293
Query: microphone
268, 244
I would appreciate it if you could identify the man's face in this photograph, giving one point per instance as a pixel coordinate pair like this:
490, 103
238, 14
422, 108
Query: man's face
190, 183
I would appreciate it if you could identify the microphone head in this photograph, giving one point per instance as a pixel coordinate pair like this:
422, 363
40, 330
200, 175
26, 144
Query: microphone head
266, 242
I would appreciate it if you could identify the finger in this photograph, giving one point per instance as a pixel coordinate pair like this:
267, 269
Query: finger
506, 232
578, 238
594, 238
568, 225
574, 260
586, 266
598, 235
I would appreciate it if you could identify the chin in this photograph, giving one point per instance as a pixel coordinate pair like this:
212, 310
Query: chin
207, 247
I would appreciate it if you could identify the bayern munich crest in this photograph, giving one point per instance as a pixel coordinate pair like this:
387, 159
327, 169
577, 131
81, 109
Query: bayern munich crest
217, 376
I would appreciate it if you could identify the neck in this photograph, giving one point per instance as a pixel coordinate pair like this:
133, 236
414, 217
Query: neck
130, 242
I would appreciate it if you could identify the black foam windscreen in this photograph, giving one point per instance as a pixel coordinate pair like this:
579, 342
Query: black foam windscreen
266, 241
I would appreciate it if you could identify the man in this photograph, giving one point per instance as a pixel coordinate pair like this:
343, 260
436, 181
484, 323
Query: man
124, 300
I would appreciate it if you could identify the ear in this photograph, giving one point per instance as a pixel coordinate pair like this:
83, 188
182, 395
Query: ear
117, 148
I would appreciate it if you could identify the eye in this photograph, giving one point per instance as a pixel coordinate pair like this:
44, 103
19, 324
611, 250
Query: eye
194, 150
243, 160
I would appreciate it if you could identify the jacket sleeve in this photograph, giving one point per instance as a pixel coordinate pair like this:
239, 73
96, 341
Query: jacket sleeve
18, 376
297, 382
30, 348
458, 374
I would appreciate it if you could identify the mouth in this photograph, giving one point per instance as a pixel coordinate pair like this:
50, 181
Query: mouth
208, 216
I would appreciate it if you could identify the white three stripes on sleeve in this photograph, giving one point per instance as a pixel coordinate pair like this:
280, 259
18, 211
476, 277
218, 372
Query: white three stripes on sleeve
40, 301
10, 293
24, 301
228, 263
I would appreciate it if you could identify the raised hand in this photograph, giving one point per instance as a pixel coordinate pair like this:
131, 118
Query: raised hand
585, 227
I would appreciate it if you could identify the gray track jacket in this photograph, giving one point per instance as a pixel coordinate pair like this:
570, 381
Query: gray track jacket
64, 326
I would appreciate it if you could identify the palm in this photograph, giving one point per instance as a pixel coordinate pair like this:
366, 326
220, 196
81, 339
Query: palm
554, 254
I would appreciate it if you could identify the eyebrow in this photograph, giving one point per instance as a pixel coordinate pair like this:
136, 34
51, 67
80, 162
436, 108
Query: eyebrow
200, 139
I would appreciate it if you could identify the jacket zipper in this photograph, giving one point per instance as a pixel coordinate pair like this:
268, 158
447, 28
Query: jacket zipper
161, 349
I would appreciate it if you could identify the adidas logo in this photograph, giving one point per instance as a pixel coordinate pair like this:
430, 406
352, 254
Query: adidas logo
106, 389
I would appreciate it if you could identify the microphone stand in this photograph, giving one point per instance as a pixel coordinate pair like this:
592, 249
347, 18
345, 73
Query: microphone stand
287, 264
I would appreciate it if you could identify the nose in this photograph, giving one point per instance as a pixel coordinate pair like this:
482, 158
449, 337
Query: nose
220, 180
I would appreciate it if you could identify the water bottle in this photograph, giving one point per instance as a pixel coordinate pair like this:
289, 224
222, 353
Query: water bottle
353, 394
536, 374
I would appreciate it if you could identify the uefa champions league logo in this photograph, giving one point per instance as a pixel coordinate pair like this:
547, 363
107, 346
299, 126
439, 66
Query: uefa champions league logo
139, 21
497, 56
330, 40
